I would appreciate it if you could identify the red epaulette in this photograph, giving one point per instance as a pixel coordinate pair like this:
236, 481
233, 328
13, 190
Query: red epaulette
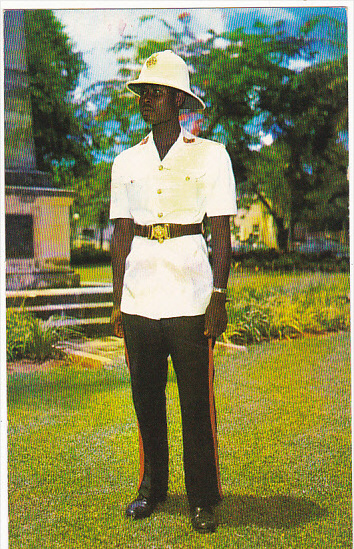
144, 141
186, 140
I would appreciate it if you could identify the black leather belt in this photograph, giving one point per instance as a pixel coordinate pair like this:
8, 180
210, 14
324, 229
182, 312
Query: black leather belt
165, 231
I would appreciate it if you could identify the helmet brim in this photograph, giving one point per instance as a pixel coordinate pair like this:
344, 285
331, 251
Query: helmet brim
192, 102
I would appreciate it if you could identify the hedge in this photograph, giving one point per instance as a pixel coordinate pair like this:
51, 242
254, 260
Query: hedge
265, 260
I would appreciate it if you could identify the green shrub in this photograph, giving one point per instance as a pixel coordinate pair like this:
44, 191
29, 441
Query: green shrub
263, 314
88, 255
272, 260
33, 338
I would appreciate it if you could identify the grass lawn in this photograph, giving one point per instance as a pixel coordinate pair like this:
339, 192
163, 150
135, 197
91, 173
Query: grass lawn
284, 444
103, 274
94, 274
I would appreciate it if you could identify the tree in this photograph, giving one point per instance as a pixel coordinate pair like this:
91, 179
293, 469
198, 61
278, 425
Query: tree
267, 183
92, 196
327, 202
310, 114
228, 75
232, 102
246, 85
231, 70
54, 69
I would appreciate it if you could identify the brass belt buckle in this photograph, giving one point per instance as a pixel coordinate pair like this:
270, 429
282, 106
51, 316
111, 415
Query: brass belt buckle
160, 232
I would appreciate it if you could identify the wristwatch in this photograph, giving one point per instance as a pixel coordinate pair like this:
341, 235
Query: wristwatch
220, 290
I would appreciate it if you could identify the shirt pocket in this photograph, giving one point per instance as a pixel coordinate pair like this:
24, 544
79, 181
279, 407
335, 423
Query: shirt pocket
184, 191
138, 193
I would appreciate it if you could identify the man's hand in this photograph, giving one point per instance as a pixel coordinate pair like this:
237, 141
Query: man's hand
216, 315
116, 321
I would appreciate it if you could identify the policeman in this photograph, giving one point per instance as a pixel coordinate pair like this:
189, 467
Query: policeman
167, 299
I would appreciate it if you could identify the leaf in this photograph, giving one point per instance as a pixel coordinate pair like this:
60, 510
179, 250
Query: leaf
259, 25
309, 25
145, 18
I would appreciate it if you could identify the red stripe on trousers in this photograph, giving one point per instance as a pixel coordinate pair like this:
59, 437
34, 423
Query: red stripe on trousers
213, 412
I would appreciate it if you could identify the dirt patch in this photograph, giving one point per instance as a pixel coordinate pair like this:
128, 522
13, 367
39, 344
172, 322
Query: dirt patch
27, 366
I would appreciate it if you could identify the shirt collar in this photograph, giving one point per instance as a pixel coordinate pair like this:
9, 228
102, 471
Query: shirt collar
184, 137
187, 137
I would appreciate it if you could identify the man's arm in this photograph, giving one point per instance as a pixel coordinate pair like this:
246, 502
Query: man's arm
215, 314
122, 237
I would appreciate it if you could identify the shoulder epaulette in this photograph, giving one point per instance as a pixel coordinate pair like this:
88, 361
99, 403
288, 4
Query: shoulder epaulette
144, 141
186, 140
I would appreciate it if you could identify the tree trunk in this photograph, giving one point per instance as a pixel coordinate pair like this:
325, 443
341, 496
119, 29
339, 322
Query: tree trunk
282, 231
102, 225
282, 234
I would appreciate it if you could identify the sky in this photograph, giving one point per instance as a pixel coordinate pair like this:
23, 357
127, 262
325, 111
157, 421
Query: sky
94, 31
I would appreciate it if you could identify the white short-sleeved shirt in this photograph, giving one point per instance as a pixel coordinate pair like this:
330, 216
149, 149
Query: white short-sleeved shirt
195, 178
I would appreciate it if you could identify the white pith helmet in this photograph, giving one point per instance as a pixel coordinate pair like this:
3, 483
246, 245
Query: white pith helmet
166, 68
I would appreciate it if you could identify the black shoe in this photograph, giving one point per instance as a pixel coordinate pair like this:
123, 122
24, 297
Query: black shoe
142, 507
203, 520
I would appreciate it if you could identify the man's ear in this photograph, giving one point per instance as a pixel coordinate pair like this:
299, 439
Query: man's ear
180, 98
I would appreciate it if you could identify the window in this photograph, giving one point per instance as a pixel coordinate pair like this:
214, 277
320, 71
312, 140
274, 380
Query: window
255, 232
19, 236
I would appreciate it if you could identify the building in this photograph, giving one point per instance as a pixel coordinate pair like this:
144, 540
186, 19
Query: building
37, 222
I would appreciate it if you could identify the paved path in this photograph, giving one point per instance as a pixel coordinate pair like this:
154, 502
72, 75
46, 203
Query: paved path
105, 351
109, 351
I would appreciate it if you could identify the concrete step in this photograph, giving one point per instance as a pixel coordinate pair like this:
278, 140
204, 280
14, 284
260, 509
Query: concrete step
90, 327
87, 309
76, 310
103, 352
33, 298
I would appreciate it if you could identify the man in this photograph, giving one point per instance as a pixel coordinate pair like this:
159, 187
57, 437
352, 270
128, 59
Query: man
167, 300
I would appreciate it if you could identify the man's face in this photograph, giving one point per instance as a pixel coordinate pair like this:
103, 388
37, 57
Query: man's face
158, 104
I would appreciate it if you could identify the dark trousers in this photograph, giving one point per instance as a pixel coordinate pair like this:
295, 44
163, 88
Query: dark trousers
149, 343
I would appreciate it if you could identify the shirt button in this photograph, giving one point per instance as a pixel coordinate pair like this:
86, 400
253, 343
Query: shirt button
160, 214
160, 168
159, 191
187, 178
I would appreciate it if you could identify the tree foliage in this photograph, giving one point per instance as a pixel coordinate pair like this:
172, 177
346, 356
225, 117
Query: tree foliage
228, 70
309, 115
93, 191
53, 70
247, 85
266, 183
